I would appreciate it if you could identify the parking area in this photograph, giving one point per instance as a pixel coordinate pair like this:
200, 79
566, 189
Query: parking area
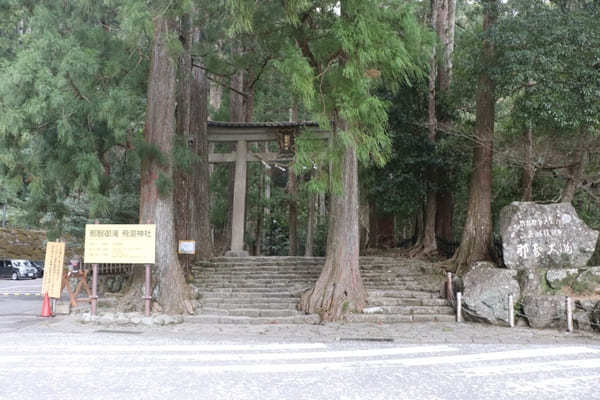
29, 287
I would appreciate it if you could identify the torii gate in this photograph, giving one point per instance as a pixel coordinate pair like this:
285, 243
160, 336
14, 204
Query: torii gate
241, 133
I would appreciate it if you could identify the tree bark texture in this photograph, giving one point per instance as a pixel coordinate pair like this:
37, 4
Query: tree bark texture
158, 208
201, 227
528, 172
477, 232
236, 114
443, 18
310, 226
292, 188
575, 171
192, 197
445, 216
292, 212
182, 176
340, 289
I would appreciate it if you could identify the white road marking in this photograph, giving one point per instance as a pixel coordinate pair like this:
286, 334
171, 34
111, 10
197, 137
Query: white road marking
9, 359
551, 384
523, 368
500, 355
166, 348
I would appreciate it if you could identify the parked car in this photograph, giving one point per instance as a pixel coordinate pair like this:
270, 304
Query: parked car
8, 271
39, 266
25, 269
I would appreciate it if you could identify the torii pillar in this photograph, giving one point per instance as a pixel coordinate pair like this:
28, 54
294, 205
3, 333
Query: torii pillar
238, 223
241, 133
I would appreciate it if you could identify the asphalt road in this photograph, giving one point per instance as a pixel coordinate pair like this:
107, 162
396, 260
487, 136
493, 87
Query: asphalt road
59, 358
107, 365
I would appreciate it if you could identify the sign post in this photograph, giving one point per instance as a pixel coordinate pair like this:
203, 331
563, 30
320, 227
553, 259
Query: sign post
53, 269
113, 244
187, 247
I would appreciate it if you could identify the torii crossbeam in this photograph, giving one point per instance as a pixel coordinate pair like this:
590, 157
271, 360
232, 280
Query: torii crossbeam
241, 133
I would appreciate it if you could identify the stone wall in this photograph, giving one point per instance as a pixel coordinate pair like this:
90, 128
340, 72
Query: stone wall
31, 245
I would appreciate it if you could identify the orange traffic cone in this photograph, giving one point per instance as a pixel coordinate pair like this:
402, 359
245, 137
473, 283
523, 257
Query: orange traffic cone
46, 312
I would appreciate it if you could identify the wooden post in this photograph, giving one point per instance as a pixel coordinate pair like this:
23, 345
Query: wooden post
449, 292
459, 307
148, 294
569, 314
511, 311
94, 299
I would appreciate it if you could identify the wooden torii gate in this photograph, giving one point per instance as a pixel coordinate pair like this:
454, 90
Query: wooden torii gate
242, 133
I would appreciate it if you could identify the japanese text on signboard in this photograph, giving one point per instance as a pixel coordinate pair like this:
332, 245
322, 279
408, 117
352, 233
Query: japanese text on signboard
132, 244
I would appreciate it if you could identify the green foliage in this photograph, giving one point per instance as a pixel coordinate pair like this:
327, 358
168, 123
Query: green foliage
337, 57
549, 60
73, 98
164, 184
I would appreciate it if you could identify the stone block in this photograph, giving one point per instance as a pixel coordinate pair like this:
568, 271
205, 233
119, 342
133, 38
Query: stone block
557, 278
486, 291
545, 236
62, 308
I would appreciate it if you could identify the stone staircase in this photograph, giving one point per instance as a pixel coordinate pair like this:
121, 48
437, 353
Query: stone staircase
266, 290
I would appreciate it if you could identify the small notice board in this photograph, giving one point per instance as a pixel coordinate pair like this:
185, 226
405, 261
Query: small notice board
113, 244
53, 269
187, 247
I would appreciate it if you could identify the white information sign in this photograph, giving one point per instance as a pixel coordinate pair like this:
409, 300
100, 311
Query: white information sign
187, 247
113, 244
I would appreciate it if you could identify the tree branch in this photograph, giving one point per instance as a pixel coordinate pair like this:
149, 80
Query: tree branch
260, 72
75, 89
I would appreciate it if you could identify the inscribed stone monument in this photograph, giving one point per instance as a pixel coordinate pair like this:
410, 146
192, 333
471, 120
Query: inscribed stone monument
545, 236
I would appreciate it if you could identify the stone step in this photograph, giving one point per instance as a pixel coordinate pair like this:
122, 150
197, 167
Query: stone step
249, 305
420, 294
264, 281
294, 282
245, 293
213, 298
249, 312
223, 319
253, 285
397, 318
410, 310
398, 301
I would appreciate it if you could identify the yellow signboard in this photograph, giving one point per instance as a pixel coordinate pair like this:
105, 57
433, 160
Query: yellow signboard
112, 244
53, 269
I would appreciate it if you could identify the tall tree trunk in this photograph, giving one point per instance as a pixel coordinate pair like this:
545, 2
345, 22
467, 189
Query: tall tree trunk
260, 216
236, 114
201, 227
445, 214
477, 232
443, 18
293, 201
192, 182
156, 204
292, 212
182, 174
340, 289
428, 240
310, 226
575, 171
528, 172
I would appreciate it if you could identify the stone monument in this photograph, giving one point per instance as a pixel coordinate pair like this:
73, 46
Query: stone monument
545, 236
